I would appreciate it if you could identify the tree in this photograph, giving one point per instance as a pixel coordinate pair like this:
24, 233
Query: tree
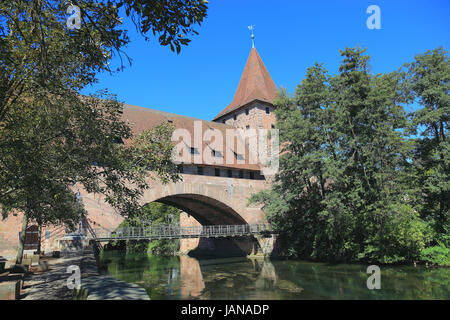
51, 137
154, 213
429, 84
340, 194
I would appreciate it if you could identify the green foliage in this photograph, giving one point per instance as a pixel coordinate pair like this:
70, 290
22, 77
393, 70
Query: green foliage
172, 20
53, 140
429, 85
152, 213
351, 184
401, 238
439, 255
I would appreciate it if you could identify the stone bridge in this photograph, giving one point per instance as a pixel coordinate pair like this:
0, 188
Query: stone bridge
204, 200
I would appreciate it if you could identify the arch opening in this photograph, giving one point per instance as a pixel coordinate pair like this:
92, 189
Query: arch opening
206, 210
203, 210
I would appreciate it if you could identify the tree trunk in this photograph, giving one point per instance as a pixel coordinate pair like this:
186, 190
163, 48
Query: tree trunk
39, 238
22, 240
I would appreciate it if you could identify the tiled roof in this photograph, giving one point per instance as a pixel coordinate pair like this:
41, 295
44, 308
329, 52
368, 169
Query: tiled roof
142, 119
255, 84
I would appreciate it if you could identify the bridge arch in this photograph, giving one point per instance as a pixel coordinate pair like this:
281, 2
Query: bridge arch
206, 210
210, 200
213, 201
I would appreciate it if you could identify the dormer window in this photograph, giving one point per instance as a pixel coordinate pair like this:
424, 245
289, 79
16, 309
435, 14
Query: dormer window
216, 153
238, 156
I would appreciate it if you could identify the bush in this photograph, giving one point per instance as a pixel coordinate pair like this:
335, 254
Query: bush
439, 255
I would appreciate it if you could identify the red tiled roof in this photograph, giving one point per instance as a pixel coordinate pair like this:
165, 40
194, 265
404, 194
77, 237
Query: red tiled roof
256, 84
142, 119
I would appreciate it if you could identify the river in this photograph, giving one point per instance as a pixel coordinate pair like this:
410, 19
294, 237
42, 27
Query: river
242, 278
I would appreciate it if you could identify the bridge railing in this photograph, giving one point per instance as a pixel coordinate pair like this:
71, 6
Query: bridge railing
174, 231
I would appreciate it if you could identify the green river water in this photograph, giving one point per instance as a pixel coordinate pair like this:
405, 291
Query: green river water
243, 278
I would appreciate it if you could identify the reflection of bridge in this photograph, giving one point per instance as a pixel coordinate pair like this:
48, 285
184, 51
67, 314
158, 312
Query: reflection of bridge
177, 232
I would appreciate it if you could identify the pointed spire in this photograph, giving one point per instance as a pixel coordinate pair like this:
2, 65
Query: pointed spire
256, 84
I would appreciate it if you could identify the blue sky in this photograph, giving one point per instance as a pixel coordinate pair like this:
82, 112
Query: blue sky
290, 36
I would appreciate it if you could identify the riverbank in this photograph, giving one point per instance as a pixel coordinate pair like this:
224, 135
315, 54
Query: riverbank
52, 284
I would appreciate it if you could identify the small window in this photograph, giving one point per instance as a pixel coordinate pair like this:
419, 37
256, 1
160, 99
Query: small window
238, 156
193, 150
246, 112
241, 174
200, 170
234, 117
267, 110
47, 234
216, 153
170, 121
252, 175
217, 172
247, 127
230, 173
223, 121
273, 126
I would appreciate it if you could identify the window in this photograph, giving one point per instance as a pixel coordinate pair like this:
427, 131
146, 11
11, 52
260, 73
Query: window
238, 156
193, 150
247, 127
200, 170
230, 173
217, 172
273, 126
246, 112
234, 117
170, 121
241, 174
180, 168
223, 121
252, 175
216, 153
267, 110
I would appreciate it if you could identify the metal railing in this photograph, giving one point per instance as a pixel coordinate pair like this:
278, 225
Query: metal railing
174, 231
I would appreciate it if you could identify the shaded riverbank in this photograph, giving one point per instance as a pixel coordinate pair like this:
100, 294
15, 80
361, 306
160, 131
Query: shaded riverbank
243, 278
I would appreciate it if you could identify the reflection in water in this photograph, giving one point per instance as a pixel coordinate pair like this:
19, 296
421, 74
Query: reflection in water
242, 278
192, 283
